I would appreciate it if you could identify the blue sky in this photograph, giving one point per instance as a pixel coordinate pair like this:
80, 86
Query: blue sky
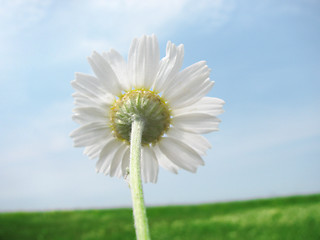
265, 60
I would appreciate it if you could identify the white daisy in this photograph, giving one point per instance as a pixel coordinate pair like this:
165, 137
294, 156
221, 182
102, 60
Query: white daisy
171, 102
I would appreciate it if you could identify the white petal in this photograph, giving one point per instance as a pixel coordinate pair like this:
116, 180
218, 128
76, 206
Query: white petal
119, 67
85, 90
125, 165
143, 61
149, 165
169, 66
189, 86
207, 105
85, 115
88, 85
180, 154
187, 75
164, 161
204, 89
94, 150
106, 155
82, 100
105, 74
197, 142
115, 169
90, 134
190, 96
196, 122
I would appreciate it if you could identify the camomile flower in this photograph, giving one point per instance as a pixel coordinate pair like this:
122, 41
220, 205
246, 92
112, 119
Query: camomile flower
170, 101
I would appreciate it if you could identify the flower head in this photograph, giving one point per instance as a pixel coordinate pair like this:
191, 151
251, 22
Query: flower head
171, 102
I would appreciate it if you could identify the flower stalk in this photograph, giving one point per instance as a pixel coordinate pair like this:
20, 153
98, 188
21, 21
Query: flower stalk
139, 210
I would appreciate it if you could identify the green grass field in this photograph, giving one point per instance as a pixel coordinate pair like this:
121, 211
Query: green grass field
270, 219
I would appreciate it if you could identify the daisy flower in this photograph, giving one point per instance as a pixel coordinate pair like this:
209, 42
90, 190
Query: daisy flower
170, 101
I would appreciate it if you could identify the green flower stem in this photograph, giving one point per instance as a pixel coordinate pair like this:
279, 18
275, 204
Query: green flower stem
139, 210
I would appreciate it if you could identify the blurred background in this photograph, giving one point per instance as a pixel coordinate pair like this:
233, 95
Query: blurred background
265, 60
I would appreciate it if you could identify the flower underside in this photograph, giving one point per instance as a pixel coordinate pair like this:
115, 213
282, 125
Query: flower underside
140, 104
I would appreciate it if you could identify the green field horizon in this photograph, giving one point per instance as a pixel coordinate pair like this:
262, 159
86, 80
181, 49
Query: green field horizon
294, 217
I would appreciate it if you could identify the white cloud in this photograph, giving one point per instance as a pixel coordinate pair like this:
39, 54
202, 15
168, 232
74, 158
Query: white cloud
256, 133
264, 10
16, 15
81, 26
38, 136
120, 21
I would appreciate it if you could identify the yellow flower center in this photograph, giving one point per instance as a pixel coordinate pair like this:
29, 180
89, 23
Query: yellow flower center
140, 104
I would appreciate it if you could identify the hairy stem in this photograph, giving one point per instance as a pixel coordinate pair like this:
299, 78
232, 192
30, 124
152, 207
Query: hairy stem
139, 210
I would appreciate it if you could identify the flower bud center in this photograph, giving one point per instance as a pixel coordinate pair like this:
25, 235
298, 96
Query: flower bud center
140, 104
